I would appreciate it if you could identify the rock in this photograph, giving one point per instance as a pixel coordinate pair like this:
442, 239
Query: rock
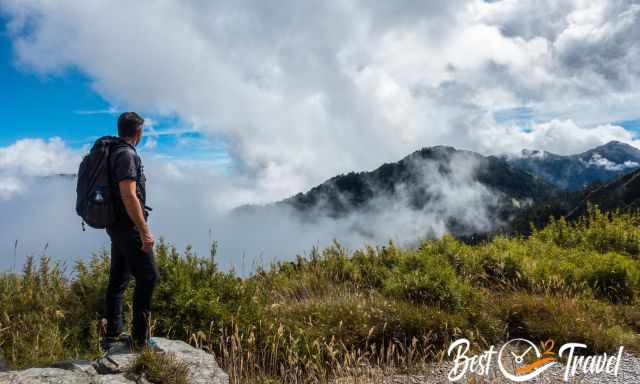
45, 376
112, 368
112, 379
202, 365
117, 360
84, 366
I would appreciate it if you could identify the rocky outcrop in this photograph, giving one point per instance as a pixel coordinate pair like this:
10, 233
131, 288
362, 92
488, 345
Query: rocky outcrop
113, 368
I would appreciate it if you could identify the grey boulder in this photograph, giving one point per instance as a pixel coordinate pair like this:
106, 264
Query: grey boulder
113, 368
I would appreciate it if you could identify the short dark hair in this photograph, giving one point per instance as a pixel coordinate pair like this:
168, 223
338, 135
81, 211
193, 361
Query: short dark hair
128, 124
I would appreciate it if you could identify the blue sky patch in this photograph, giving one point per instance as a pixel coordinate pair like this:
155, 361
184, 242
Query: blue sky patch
631, 125
66, 106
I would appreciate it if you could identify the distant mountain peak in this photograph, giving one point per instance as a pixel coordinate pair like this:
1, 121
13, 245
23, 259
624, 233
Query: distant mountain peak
616, 143
436, 182
615, 151
533, 153
573, 172
438, 152
435, 149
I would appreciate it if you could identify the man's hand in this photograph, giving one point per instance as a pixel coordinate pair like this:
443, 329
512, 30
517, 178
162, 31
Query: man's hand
135, 211
147, 239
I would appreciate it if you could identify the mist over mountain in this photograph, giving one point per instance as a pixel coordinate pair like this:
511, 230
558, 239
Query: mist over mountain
431, 192
441, 190
575, 172
435, 190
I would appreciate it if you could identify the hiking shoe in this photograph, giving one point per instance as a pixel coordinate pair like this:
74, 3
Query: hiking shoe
141, 346
108, 342
152, 344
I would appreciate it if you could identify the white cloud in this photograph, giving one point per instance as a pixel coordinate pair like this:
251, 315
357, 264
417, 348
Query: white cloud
598, 161
43, 212
38, 157
108, 111
191, 197
10, 186
309, 83
149, 144
563, 137
28, 158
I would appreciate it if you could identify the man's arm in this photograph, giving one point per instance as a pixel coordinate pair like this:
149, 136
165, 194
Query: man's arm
135, 211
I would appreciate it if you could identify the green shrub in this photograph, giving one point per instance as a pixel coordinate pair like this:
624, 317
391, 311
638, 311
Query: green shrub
33, 315
424, 278
612, 277
192, 295
563, 319
604, 232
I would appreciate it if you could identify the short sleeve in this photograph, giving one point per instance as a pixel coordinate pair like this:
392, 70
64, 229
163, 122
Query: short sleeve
124, 166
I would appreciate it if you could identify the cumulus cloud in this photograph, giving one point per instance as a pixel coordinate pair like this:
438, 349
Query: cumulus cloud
302, 84
33, 157
601, 42
528, 18
38, 157
563, 137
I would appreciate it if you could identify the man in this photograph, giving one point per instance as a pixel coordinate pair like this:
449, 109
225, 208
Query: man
131, 239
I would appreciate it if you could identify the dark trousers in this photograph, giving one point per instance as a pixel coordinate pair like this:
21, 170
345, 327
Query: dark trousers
128, 259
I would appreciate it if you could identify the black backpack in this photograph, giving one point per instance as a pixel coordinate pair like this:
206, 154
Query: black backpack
95, 202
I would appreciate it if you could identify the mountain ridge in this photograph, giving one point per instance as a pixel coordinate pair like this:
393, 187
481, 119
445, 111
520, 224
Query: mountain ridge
576, 172
512, 191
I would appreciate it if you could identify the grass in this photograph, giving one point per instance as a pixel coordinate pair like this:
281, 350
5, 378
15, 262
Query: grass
340, 313
160, 368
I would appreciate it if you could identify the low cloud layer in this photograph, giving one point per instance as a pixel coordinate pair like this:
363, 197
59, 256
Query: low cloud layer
599, 161
192, 206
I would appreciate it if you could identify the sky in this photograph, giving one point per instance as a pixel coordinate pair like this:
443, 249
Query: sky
65, 105
247, 102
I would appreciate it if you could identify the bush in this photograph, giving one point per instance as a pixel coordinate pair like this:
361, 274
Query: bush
31, 321
596, 230
563, 319
612, 277
424, 278
192, 295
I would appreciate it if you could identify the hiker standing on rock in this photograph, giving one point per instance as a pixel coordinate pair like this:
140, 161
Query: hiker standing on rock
131, 238
112, 194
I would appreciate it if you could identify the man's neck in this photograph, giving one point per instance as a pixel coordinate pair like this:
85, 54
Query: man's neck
131, 141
